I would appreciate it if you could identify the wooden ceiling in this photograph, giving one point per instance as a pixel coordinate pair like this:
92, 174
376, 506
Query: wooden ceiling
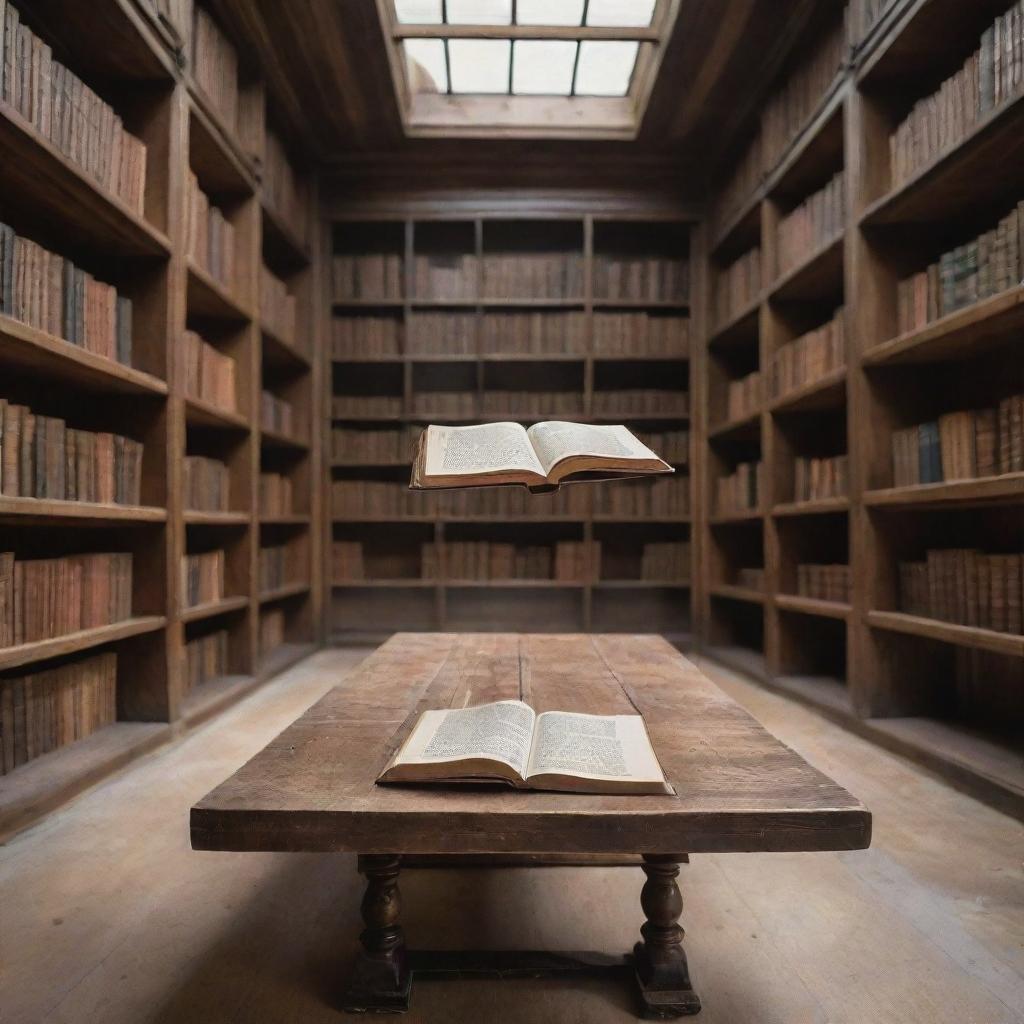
329, 75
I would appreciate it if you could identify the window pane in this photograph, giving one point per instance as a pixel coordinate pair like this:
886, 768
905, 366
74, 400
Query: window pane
605, 67
479, 65
418, 12
480, 12
620, 12
543, 66
425, 61
549, 12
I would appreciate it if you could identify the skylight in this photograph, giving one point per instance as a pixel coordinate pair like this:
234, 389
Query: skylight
468, 55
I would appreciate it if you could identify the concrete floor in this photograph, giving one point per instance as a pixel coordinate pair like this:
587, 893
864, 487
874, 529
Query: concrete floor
106, 915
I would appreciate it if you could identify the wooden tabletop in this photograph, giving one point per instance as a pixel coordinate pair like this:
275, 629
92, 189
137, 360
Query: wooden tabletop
737, 787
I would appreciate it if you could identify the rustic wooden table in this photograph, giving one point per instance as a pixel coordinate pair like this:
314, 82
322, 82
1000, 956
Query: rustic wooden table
738, 789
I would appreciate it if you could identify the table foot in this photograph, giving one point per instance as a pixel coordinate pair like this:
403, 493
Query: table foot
662, 973
381, 981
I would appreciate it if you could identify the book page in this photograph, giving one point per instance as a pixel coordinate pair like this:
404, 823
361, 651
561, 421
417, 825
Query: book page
555, 440
469, 451
500, 731
609, 747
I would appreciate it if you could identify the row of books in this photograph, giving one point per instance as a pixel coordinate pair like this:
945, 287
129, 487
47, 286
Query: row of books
745, 175
373, 275
815, 222
355, 406
444, 403
646, 401
751, 577
665, 560
819, 479
672, 445
374, 447
738, 286
990, 76
740, 491
540, 333
441, 334
965, 586
961, 445
206, 658
641, 278
209, 374
823, 582
207, 484
210, 236
42, 457
492, 560
48, 292
274, 567
68, 114
985, 266
743, 397
810, 357
361, 336
276, 414
214, 65
536, 404
283, 186
641, 334
277, 306
276, 494
795, 100
272, 630
44, 598
543, 275
445, 276
202, 578
47, 710
664, 497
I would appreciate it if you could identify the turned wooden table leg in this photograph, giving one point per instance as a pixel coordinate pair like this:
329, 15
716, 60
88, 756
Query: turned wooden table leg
380, 979
663, 977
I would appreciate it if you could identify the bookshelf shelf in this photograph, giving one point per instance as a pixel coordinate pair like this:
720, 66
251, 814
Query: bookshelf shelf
828, 392
979, 491
1011, 644
208, 297
640, 584
48, 781
741, 659
273, 439
824, 693
385, 584
202, 414
744, 516
281, 239
823, 506
664, 304
960, 335
742, 226
967, 175
207, 699
813, 606
44, 354
193, 517
745, 428
83, 640
284, 593
36, 170
278, 352
218, 165
287, 520
199, 612
44, 510
819, 274
523, 302
739, 328
514, 584
389, 303
737, 593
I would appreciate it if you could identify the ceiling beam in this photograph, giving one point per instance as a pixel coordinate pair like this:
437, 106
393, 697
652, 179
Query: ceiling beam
614, 32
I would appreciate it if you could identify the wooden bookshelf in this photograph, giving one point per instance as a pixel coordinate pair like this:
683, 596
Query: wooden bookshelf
489, 337
885, 673
134, 65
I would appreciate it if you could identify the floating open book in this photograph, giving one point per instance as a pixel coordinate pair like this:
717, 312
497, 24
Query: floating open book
507, 742
540, 458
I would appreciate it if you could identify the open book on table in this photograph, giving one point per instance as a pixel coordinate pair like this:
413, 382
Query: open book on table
540, 458
507, 742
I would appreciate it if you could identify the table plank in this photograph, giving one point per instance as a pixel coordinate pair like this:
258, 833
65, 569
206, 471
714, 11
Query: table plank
737, 787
